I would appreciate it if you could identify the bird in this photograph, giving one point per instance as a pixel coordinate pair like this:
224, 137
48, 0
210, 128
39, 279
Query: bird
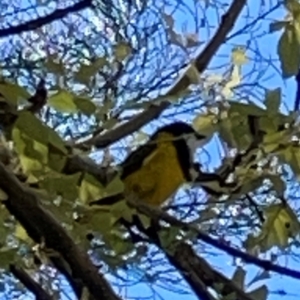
157, 169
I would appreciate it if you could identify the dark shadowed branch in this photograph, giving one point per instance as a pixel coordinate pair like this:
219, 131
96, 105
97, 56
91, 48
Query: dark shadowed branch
39, 22
194, 269
42, 227
158, 214
29, 283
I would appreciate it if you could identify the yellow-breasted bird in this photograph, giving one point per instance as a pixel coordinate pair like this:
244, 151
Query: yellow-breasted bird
154, 171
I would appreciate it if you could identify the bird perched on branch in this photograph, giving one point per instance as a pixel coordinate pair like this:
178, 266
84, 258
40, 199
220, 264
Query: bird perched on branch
155, 171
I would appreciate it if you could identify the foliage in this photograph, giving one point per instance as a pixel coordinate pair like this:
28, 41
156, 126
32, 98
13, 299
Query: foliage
102, 74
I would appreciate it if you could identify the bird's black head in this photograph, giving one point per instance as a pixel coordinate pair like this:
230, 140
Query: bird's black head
179, 128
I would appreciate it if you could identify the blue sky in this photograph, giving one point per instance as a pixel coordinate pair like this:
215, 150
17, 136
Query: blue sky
267, 46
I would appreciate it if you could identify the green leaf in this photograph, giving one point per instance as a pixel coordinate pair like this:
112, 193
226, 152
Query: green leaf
13, 92
205, 123
122, 210
55, 65
63, 102
122, 50
239, 277
145, 220
86, 72
293, 6
90, 189
278, 184
63, 185
56, 161
245, 109
281, 224
118, 244
7, 257
84, 105
260, 293
116, 186
291, 156
288, 51
193, 74
168, 238
273, 100
56, 142
29, 124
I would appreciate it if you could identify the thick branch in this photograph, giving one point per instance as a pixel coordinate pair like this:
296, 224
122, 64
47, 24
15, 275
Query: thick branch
41, 226
201, 63
29, 283
35, 24
194, 269
158, 214
186, 259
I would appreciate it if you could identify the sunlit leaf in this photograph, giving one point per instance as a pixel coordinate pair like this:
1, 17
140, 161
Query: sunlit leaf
205, 123
238, 56
234, 81
90, 189
13, 93
280, 225
84, 105
21, 233
122, 50
63, 102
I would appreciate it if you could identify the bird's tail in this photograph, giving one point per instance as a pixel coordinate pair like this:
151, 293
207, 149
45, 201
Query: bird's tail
109, 200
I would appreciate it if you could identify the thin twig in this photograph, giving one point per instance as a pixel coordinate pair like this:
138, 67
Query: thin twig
37, 23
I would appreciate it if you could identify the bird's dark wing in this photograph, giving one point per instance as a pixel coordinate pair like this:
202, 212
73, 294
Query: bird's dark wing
135, 160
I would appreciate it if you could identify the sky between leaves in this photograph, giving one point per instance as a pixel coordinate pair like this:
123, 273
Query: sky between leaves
271, 79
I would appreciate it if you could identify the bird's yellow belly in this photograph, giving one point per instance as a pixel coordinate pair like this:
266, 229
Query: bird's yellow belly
158, 179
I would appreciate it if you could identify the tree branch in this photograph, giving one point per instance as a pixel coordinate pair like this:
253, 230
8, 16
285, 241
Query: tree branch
194, 269
158, 214
185, 258
29, 283
42, 227
35, 24
201, 63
